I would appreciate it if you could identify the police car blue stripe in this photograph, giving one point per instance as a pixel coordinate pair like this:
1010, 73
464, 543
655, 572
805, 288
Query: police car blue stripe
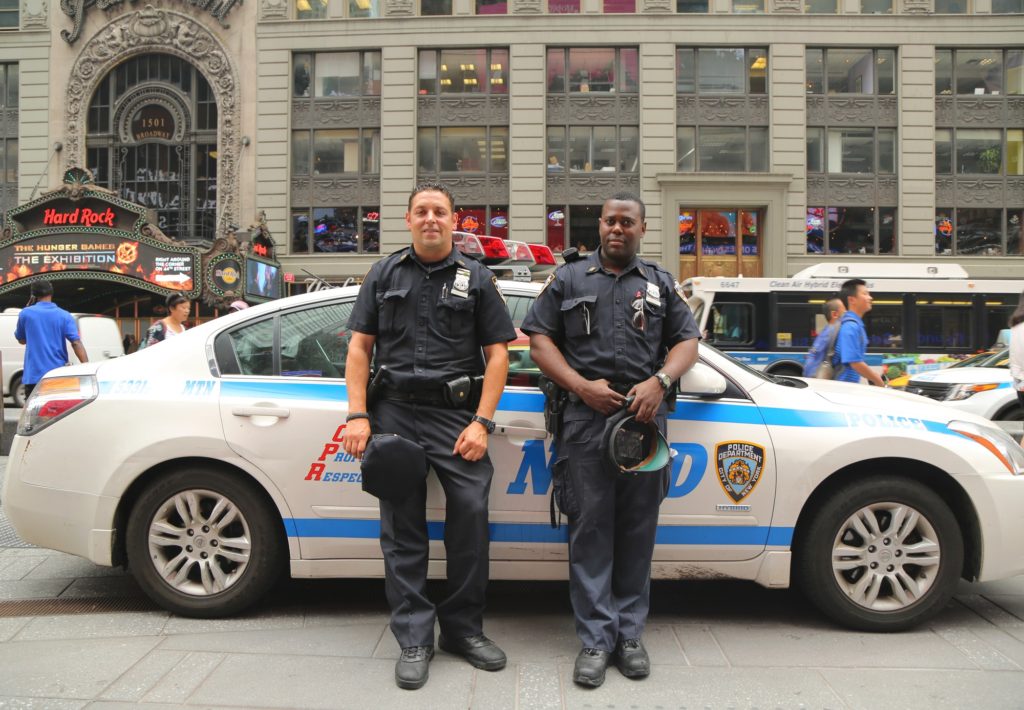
756, 359
516, 401
542, 532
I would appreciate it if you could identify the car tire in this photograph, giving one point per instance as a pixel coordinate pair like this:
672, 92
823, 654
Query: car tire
18, 392
1011, 414
880, 554
204, 543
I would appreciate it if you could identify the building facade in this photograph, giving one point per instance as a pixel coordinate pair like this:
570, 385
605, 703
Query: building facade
763, 135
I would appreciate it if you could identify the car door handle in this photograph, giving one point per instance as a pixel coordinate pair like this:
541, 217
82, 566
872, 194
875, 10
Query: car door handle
278, 412
520, 432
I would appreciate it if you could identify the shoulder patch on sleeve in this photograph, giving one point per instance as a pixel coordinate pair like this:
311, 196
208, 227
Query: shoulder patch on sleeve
494, 280
678, 288
547, 282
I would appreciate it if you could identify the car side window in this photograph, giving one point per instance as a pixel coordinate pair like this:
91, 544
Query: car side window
314, 342
251, 348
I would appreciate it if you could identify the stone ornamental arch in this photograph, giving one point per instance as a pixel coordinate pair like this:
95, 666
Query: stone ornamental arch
152, 30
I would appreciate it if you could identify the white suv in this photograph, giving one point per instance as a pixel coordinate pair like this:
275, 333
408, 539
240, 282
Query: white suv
985, 388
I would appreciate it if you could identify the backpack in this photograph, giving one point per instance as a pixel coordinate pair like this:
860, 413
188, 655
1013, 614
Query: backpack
819, 363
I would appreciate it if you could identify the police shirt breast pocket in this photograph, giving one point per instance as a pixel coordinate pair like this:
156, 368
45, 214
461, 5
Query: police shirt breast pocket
655, 315
580, 316
390, 309
456, 314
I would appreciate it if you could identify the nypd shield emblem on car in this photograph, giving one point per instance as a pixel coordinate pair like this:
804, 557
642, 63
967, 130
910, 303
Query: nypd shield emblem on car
739, 467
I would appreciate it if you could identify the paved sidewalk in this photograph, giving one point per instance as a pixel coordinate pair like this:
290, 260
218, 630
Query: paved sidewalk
325, 644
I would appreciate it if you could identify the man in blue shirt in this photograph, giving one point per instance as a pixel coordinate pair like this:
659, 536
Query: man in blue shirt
852, 342
42, 329
834, 310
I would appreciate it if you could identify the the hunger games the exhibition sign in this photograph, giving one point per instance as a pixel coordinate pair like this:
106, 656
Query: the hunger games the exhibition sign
80, 231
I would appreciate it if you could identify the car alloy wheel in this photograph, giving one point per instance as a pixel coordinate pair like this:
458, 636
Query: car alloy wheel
199, 542
886, 556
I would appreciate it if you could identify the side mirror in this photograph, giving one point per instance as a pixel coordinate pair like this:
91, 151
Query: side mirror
703, 381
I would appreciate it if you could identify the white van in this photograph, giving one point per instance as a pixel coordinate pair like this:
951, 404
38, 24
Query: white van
100, 335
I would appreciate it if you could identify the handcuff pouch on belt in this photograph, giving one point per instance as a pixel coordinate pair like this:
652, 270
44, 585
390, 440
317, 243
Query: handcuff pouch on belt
463, 392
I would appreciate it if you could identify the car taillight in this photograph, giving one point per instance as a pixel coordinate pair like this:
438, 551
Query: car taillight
519, 252
54, 398
542, 255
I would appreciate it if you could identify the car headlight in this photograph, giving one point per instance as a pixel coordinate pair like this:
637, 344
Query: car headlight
964, 391
997, 441
54, 398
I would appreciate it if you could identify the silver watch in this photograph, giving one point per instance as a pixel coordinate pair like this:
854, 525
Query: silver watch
664, 379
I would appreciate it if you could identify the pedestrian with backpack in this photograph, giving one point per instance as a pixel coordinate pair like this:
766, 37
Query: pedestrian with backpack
818, 362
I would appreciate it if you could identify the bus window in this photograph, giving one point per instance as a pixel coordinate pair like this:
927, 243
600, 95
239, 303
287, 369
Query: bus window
731, 324
998, 310
802, 320
884, 322
943, 322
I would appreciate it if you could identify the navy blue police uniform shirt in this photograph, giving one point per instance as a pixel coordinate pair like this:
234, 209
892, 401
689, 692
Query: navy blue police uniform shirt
430, 320
592, 315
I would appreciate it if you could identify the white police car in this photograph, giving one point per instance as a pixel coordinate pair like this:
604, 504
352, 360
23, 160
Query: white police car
985, 388
212, 464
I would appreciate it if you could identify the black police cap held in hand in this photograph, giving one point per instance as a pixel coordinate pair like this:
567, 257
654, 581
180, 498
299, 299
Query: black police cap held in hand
631, 447
392, 466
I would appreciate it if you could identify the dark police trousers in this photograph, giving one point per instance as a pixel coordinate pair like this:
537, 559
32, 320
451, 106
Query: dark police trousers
404, 538
612, 524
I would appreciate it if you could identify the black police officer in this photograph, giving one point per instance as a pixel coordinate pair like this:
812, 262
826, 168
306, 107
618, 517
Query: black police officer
600, 329
424, 313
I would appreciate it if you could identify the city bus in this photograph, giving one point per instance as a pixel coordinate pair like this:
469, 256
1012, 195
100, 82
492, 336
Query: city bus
925, 316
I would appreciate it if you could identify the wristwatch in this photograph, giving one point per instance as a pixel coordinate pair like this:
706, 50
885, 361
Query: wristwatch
664, 379
488, 424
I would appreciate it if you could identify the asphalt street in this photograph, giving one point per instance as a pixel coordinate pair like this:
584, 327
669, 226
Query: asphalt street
74, 635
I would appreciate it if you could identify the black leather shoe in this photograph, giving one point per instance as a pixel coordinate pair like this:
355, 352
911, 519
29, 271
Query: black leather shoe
479, 650
631, 659
590, 666
413, 667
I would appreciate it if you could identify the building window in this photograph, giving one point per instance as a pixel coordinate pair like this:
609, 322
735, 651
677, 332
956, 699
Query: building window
454, 149
593, 148
435, 7
8, 14
364, 8
851, 150
821, 7
619, 6
482, 219
491, 7
977, 231
691, 6
573, 226
1006, 7
876, 7
593, 69
979, 151
336, 74
8, 136
851, 71
310, 9
748, 6
969, 72
851, 230
721, 71
736, 149
334, 230
951, 7
334, 151
463, 71
9, 162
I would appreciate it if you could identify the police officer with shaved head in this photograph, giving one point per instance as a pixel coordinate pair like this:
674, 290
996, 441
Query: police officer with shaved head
611, 330
435, 326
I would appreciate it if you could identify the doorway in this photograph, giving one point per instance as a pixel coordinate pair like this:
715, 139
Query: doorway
720, 241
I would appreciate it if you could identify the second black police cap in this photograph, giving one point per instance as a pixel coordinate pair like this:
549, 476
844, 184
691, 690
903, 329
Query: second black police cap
393, 466
633, 447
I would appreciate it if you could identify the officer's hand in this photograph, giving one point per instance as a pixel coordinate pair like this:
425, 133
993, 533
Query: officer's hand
355, 436
597, 395
472, 442
648, 395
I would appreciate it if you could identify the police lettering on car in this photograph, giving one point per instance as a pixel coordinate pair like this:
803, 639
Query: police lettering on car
611, 331
436, 328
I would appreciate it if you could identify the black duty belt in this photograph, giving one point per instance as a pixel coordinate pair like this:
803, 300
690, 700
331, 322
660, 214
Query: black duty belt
433, 397
622, 388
